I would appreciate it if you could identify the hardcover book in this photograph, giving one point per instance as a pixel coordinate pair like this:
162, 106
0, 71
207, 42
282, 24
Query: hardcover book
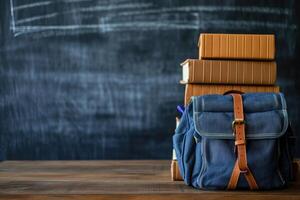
229, 72
202, 89
236, 46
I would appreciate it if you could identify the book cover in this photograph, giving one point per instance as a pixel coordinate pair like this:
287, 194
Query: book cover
229, 72
175, 172
236, 46
202, 89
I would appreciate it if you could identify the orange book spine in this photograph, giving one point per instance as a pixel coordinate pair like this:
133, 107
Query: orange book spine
236, 46
202, 89
229, 72
175, 173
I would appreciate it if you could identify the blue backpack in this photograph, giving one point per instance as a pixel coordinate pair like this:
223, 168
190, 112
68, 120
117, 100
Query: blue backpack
236, 141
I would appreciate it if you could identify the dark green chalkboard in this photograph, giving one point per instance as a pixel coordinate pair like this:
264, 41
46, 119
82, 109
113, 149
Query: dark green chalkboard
98, 79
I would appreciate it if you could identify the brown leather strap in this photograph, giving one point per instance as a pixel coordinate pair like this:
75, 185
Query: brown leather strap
241, 165
234, 177
251, 180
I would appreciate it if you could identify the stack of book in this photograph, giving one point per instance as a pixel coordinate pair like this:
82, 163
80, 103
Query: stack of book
229, 62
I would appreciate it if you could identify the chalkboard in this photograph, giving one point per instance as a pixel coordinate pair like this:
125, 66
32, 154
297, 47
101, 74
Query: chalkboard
98, 79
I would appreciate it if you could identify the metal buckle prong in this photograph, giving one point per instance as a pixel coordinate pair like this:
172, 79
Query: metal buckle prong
235, 122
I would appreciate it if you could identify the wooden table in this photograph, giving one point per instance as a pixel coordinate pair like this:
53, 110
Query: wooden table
77, 180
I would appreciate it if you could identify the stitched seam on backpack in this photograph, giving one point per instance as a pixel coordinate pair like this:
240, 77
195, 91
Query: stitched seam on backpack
249, 136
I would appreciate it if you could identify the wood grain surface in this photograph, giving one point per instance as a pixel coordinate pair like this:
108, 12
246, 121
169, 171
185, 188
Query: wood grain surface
109, 180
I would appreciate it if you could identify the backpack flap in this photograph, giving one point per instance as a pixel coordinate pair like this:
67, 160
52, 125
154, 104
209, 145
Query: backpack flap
266, 123
265, 116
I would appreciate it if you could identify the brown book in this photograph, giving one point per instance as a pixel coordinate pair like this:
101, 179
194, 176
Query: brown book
202, 89
236, 46
229, 72
175, 173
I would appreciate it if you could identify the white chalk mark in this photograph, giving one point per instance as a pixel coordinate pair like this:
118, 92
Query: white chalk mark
112, 21
188, 9
250, 9
36, 18
31, 5
12, 16
152, 25
88, 9
111, 7
149, 26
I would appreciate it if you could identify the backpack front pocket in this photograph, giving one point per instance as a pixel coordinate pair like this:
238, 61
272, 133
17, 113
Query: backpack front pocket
219, 159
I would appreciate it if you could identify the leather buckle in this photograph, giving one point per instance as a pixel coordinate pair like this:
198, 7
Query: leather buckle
237, 122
